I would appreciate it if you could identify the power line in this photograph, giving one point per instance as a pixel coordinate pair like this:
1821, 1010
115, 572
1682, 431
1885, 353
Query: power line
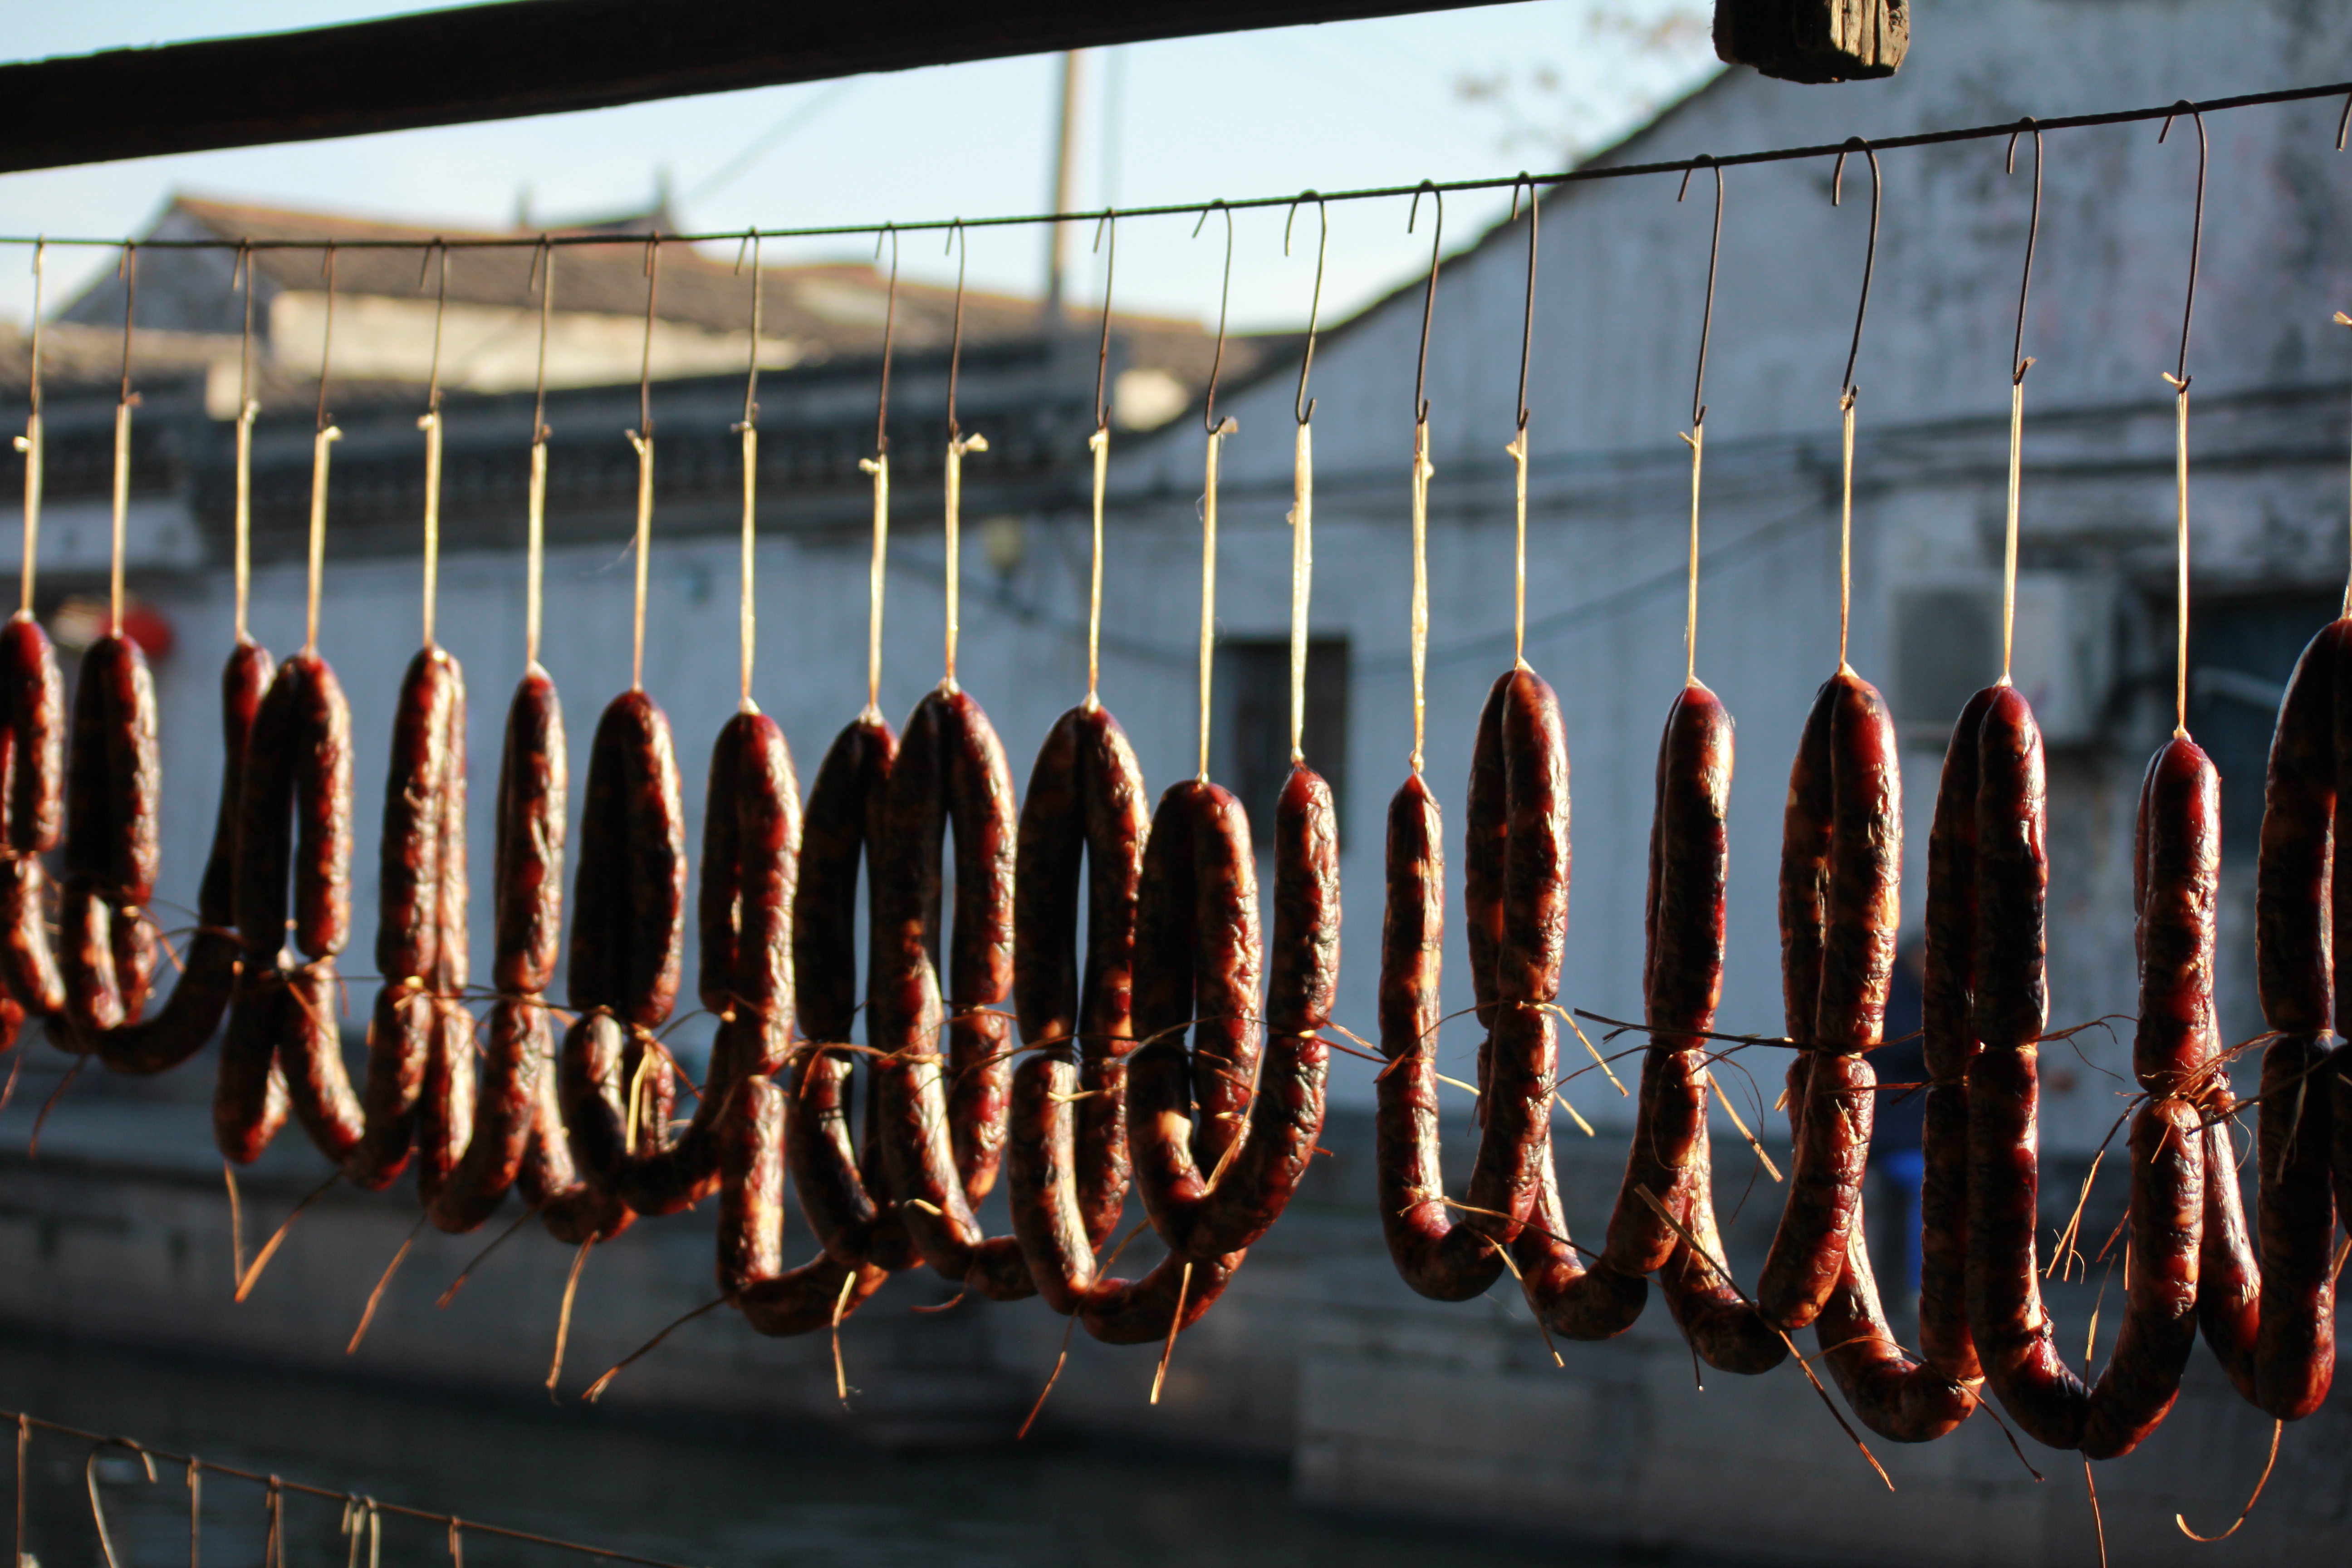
1186, 209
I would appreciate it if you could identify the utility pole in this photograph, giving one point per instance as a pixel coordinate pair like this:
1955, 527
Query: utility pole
1066, 146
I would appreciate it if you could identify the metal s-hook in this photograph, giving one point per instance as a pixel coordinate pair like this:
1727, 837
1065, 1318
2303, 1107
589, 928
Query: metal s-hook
2179, 381
1527, 320
1846, 388
957, 243
2019, 363
195, 1512
878, 468
645, 359
1428, 298
751, 373
1107, 224
957, 445
1225, 297
2180, 377
641, 439
1714, 256
1300, 403
97, 1506
1695, 438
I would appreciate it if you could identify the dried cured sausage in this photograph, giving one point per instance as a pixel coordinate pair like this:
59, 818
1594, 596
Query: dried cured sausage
2176, 867
1066, 1165
940, 1083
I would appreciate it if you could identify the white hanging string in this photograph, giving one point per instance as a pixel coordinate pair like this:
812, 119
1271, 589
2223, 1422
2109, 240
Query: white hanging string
641, 439
535, 547
122, 439
1224, 427
1696, 438
1302, 582
248, 409
321, 445
1099, 443
1518, 451
878, 465
957, 445
1422, 474
750, 431
430, 423
30, 443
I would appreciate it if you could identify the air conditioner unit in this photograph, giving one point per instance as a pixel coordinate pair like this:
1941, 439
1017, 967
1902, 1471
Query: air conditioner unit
1948, 647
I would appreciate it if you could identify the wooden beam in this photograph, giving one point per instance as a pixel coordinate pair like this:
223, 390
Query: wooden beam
1814, 40
547, 57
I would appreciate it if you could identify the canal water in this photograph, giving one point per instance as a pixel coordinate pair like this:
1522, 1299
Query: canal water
688, 1494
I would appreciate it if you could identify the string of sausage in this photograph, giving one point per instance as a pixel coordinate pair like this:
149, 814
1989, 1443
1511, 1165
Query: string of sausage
2175, 874
843, 1191
618, 1083
1222, 1139
478, 1142
282, 1039
1067, 1163
420, 945
943, 1111
2273, 1321
113, 798
751, 845
1840, 881
32, 813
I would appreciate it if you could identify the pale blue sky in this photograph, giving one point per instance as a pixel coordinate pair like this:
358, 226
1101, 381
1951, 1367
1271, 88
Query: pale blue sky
1360, 103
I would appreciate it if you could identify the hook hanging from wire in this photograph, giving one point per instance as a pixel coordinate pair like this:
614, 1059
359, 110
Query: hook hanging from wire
1849, 394
249, 410
1707, 314
957, 445
2018, 365
1225, 297
1422, 472
2180, 377
1846, 387
1519, 449
430, 423
30, 444
879, 467
1301, 404
1098, 444
2179, 381
1428, 298
535, 550
641, 439
1695, 438
749, 431
127, 268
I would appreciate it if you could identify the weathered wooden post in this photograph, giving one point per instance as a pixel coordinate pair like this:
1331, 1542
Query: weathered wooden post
1814, 40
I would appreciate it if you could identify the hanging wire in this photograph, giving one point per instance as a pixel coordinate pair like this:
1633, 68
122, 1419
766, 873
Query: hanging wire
277, 1486
1218, 430
2179, 381
1519, 449
641, 439
322, 442
1848, 393
1098, 444
248, 409
750, 431
2018, 365
1589, 172
430, 423
127, 269
1302, 474
1422, 471
30, 443
878, 464
542, 272
1696, 436
957, 445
